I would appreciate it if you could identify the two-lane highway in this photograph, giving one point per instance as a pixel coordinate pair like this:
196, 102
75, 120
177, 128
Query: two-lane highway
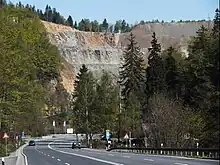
50, 154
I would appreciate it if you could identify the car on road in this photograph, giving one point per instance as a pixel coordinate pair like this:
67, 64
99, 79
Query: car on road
32, 143
76, 145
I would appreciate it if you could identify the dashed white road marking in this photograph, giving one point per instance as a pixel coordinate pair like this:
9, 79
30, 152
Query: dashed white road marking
100, 153
180, 164
84, 156
58, 160
149, 160
126, 156
111, 155
67, 163
48, 155
53, 157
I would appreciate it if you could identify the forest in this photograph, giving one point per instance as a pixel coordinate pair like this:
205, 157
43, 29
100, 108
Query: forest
174, 99
28, 64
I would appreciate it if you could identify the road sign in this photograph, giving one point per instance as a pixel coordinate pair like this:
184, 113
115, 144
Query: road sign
22, 135
69, 130
5, 136
107, 135
54, 123
126, 136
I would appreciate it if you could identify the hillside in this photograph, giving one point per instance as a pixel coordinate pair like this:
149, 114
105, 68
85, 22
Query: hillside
100, 51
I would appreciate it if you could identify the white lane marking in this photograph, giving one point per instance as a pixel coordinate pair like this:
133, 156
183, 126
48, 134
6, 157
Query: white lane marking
48, 155
53, 157
83, 156
22, 153
67, 163
149, 160
126, 156
58, 160
111, 155
180, 164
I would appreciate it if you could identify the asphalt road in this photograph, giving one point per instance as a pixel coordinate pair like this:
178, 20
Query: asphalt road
50, 154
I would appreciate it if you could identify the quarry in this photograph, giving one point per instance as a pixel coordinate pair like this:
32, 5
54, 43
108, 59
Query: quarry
103, 51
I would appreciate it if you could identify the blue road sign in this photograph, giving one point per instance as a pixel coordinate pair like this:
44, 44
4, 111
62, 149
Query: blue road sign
107, 134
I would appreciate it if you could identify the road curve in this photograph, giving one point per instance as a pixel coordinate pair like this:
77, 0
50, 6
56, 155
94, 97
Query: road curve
50, 154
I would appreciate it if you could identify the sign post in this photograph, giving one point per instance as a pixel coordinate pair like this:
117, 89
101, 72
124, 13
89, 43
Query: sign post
64, 126
54, 124
6, 147
107, 135
126, 137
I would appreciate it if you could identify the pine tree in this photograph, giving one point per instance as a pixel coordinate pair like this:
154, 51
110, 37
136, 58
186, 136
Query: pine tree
105, 24
132, 84
83, 100
117, 26
75, 25
106, 103
131, 73
154, 71
95, 26
82, 25
83, 70
201, 79
216, 27
70, 21
123, 26
172, 78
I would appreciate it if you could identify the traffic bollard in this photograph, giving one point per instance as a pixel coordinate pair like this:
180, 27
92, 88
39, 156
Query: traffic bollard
3, 161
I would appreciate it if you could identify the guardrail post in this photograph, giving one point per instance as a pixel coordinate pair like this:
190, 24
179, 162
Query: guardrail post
3, 161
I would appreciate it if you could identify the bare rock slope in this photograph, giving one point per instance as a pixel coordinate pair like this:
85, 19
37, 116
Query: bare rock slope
100, 51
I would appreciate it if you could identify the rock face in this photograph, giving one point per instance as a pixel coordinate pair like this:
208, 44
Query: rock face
168, 34
100, 51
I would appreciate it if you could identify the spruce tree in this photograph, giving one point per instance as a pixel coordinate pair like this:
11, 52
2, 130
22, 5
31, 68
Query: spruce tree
131, 73
132, 84
83, 100
216, 27
75, 25
105, 24
106, 103
154, 71
172, 80
70, 21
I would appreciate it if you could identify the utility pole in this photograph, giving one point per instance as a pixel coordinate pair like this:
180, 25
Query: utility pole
119, 118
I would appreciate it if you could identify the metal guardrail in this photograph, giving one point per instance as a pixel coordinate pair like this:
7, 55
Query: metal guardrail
208, 153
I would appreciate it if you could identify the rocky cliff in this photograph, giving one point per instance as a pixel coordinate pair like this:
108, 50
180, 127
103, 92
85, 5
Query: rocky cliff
100, 51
